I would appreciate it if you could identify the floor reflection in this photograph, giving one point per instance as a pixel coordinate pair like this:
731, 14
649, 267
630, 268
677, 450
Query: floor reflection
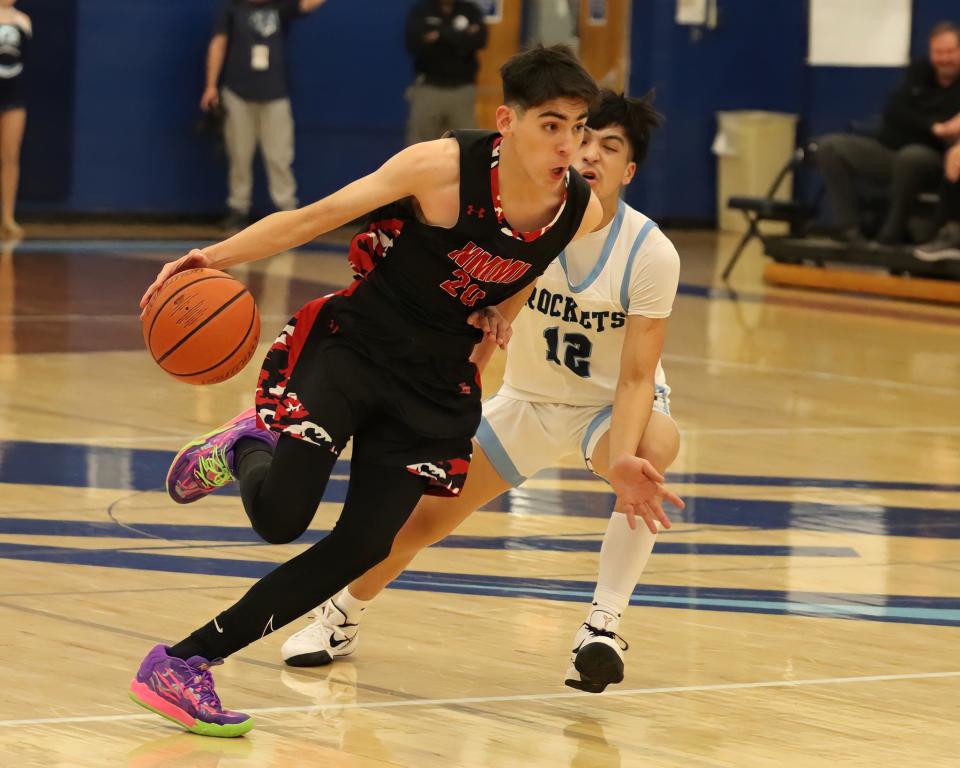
592, 747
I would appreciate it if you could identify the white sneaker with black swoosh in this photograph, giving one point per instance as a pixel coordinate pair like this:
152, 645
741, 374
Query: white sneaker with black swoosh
597, 657
329, 636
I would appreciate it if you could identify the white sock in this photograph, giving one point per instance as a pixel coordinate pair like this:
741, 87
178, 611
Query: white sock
623, 556
350, 606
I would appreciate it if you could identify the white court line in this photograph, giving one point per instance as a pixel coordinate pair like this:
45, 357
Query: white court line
494, 699
808, 374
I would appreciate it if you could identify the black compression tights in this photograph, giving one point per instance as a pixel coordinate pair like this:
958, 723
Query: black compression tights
281, 495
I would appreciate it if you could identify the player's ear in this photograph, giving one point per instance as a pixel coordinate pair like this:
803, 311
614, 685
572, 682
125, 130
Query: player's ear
507, 118
629, 172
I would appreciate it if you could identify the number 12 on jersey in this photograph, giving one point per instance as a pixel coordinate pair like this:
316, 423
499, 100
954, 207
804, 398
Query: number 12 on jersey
576, 350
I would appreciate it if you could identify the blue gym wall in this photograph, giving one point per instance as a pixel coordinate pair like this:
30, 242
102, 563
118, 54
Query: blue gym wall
755, 59
129, 143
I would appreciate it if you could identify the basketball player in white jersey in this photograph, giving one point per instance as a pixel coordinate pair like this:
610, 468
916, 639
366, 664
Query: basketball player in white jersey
583, 380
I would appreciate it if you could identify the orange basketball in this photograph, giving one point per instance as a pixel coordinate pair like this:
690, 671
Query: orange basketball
202, 326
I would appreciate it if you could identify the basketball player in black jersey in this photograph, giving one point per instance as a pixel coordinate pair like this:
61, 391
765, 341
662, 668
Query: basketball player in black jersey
386, 361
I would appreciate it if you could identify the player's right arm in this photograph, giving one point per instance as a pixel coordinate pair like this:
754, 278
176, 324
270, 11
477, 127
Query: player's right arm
429, 171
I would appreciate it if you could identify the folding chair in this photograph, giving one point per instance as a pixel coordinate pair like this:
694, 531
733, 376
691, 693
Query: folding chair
757, 209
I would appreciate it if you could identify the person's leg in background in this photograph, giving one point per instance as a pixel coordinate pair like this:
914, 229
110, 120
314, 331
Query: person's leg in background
915, 168
843, 159
12, 124
946, 244
277, 144
240, 133
426, 120
463, 106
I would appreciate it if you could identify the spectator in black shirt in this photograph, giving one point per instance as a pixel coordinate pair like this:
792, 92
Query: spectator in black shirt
443, 36
907, 152
248, 49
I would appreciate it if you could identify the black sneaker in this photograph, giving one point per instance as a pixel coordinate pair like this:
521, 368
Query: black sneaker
597, 657
946, 245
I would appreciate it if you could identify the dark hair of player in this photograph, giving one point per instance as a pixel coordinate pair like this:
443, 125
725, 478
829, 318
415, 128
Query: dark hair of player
538, 75
637, 117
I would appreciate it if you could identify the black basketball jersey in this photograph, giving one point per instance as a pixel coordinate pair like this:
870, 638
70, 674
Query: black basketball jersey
14, 40
432, 278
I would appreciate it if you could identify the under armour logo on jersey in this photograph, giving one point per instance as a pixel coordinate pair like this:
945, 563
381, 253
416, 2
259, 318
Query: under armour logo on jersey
472, 209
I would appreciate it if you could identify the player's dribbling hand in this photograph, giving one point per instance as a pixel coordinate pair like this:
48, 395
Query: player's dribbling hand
495, 326
196, 258
640, 491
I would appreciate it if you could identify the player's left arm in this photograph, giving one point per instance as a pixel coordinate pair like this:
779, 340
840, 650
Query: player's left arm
591, 217
637, 483
653, 287
633, 399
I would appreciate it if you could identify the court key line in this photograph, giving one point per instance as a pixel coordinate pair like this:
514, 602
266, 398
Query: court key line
500, 699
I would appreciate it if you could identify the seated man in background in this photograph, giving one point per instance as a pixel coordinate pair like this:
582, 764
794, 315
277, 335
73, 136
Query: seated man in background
920, 120
946, 245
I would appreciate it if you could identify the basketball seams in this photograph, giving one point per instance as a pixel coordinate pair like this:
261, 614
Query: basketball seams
253, 320
200, 325
172, 296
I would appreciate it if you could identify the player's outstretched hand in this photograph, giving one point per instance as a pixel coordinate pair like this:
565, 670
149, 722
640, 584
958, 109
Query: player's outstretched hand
196, 258
640, 491
494, 325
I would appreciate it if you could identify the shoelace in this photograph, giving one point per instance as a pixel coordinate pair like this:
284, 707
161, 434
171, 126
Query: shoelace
203, 685
322, 628
596, 632
334, 627
213, 471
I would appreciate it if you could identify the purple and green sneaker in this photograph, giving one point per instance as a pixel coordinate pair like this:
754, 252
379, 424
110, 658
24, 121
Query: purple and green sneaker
206, 464
182, 691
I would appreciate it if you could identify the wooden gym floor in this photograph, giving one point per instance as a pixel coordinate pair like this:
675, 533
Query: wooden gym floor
804, 611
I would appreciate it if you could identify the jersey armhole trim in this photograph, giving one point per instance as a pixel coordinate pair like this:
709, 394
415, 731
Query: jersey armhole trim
628, 272
608, 244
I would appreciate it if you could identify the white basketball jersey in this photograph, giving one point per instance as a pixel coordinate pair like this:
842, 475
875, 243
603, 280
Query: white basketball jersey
567, 340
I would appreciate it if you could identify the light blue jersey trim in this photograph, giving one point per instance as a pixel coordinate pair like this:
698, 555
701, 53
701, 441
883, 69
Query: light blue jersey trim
608, 244
625, 284
595, 422
497, 454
